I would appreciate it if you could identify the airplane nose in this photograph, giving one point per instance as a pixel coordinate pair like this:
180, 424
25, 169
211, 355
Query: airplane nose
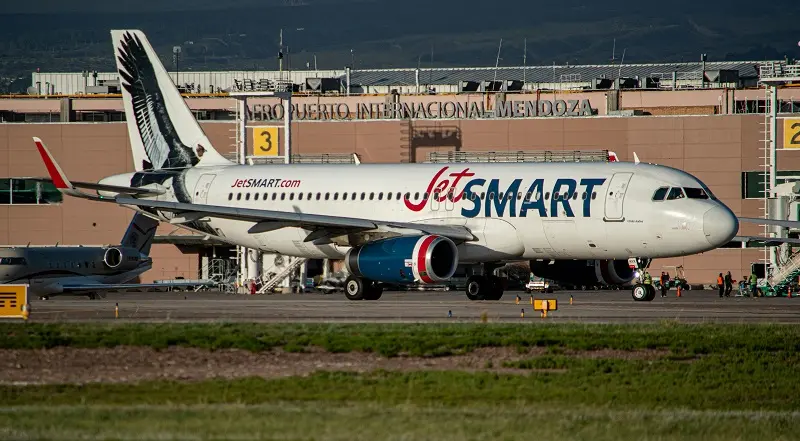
720, 225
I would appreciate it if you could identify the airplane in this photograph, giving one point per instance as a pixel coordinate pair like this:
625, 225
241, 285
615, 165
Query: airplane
401, 223
89, 271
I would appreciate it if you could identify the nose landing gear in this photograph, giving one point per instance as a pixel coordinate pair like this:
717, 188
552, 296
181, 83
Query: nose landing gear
643, 290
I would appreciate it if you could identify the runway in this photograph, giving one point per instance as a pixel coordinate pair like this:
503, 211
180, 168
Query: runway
588, 307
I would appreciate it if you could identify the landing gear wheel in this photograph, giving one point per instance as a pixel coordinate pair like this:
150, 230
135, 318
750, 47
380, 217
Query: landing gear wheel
494, 288
476, 287
373, 291
354, 288
641, 292
652, 292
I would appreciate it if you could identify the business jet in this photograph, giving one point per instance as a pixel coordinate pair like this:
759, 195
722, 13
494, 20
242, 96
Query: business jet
401, 223
85, 271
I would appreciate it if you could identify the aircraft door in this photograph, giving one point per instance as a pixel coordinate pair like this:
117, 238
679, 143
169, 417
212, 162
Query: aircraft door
434, 201
203, 187
615, 197
448, 202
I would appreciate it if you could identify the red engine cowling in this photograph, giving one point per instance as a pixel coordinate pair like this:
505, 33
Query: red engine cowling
589, 273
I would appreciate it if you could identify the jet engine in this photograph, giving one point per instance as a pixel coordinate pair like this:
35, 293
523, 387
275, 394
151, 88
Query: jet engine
123, 259
404, 260
589, 273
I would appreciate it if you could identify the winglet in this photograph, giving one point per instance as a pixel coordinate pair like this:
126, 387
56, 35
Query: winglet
56, 174
635, 158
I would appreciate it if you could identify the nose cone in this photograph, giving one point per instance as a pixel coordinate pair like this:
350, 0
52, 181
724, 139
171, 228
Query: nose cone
720, 225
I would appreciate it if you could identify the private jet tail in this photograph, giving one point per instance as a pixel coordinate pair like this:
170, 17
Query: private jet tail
163, 132
140, 233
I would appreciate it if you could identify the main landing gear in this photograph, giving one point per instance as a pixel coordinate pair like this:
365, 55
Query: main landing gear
643, 292
357, 288
484, 288
483, 284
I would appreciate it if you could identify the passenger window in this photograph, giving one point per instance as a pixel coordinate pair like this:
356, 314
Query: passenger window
327, 196
380, 196
675, 193
255, 196
274, 196
408, 196
265, 196
425, 196
363, 196
336, 196
388, 196
575, 196
319, 195
491, 196
660, 194
291, 196
547, 195
238, 196
583, 195
398, 195
344, 196
230, 196
371, 196
299, 196
247, 197
594, 195
695, 193
555, 196
416, 196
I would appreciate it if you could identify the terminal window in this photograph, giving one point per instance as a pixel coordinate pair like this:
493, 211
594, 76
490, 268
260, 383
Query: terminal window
22, 191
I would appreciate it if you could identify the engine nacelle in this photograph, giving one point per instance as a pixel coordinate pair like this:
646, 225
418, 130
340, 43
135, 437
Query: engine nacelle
121, 258
585, 272
404, 260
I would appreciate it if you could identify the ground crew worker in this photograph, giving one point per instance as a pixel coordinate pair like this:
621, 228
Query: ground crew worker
721, 285
754, 285
664, 284
648, 279
728, 284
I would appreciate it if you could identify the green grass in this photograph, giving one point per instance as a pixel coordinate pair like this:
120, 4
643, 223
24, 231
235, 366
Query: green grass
356, 421
394, 339
713, 383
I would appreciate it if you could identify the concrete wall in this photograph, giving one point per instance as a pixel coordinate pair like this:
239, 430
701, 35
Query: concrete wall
714, 148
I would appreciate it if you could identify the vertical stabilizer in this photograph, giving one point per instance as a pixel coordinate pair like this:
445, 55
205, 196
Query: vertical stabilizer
140, 233
163, 132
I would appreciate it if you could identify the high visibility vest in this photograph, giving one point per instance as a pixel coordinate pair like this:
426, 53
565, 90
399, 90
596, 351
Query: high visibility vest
720, 281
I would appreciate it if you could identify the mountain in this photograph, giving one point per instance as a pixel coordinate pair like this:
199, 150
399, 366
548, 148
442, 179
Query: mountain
243, 34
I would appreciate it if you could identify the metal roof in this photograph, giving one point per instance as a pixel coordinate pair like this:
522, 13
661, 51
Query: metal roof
546, 74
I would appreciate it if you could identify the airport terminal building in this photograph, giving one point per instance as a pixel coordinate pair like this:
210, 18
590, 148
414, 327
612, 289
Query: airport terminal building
705, 118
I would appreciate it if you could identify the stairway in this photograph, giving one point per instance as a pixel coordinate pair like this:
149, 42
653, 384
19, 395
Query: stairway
267, 285
785, 275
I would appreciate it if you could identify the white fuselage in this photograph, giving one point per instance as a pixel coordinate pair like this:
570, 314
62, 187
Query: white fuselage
610, 213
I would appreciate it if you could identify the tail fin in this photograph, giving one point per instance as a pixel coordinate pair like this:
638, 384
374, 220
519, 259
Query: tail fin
140, 233
163, 131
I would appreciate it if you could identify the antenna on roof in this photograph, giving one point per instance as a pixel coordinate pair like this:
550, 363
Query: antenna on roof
497, 61
614, 51
524, 61
619, 75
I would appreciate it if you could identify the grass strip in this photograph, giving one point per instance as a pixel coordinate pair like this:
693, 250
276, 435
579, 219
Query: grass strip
415, 339
370, 421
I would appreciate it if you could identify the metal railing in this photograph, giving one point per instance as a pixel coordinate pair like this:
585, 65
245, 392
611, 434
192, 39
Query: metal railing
774, 70
520, 156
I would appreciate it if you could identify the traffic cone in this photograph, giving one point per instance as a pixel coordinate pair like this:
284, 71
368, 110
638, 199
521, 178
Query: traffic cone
516, 300
570, 299
679, 290
789, 293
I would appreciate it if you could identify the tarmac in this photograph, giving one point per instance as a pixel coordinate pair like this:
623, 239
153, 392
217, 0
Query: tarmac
408, 307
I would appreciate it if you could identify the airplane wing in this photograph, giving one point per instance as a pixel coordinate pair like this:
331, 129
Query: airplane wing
323, 226
777, 222
765, 241
268, 220
110, 286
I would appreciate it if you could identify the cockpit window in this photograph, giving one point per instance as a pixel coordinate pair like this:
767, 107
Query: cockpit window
660, 194
13, 261
675, 193
695, 193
